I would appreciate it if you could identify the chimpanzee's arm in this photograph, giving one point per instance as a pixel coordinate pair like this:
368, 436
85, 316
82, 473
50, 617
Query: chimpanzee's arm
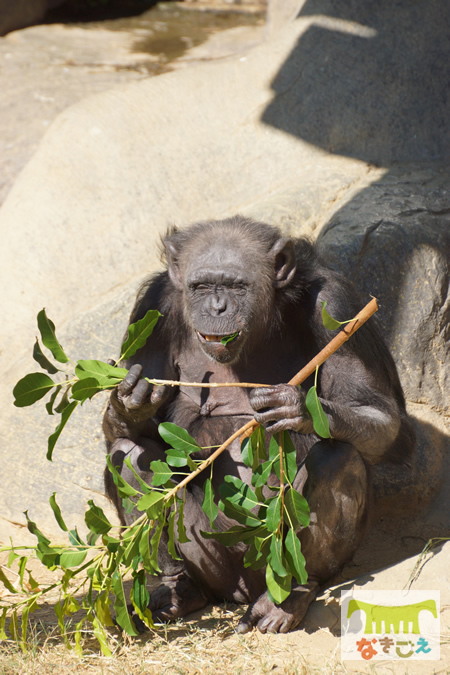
357, 413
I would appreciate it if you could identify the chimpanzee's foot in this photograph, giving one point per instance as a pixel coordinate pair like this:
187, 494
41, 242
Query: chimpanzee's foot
271, 618
177, 596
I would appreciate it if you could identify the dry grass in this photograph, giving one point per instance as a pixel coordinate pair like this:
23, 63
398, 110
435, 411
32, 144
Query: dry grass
207, 643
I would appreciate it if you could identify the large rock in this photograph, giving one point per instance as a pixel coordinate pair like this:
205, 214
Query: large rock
21, 13
393, 241
81, 225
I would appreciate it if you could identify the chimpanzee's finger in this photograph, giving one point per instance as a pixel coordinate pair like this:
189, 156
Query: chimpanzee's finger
139, 395
131, 378
159, 395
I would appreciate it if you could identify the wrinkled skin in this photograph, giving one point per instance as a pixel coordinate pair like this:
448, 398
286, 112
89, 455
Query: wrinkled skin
243, 282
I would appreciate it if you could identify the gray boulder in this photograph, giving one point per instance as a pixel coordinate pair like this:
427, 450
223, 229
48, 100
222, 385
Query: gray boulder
393, 241
20, 13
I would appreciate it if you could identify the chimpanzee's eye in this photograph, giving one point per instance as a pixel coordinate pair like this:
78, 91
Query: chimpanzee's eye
198, 287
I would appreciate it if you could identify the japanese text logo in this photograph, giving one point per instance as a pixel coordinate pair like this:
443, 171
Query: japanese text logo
381, 625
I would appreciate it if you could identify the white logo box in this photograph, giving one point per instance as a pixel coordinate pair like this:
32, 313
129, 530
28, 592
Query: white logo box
390, 625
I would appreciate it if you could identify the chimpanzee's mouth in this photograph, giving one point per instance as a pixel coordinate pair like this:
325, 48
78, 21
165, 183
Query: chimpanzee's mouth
222, 339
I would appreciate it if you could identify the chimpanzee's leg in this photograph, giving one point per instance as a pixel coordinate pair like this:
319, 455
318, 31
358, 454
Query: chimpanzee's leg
177, 595
335, 482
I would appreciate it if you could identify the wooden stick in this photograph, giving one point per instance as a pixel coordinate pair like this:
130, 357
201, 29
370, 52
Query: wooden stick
346, 332
211, 385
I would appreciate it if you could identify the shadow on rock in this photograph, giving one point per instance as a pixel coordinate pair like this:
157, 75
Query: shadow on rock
369, 80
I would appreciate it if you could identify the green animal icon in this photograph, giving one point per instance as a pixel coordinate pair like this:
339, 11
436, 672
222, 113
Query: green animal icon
392, 616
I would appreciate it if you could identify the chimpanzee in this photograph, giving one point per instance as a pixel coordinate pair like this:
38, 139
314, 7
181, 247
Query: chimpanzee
241, 278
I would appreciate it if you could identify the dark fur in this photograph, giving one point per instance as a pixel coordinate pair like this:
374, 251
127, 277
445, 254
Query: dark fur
275, 303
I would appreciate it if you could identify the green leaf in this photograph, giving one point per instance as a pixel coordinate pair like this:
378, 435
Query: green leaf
209, 506
120, 606
75, 538
247, 452
124, 489
161, 472
14, 626
11, 557
132, 548
101, 636
278, 588
276, 557
258, 439
32, 527
182, 536
234, 535
228, 338
64, 402
34, 584
3, 635
234, 490
100, 371
32, 388
178, 458
128, 505
328, 320
152, 503
140, 599
43, 361
274, 449
78, 647
48, 335
22, 568
319, 419
297, 508
102, 610
178, 438
66, 413
236, 512
290, 457
24, 626
295, 558
84, 389
70, 559
273, 516
139, 592
138, 334
171, 537
257, 554
262, 473
6, 583
50, 403
145, 487
57, 512
111, 543
96, 520
253, 448
144, 549
154, 544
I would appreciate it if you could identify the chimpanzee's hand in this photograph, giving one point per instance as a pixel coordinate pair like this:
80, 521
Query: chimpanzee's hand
281, 408
135, 399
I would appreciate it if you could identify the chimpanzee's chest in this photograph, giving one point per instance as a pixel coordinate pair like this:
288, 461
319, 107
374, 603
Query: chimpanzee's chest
203, 402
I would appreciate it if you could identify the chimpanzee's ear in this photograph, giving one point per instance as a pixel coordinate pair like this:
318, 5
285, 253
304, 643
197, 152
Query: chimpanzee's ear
173, 268
284, 261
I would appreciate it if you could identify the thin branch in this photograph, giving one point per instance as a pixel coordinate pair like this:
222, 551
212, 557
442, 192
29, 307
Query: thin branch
300, 377
211, 385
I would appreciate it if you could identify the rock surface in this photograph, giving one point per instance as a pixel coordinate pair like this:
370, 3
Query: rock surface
21, 13
393, 240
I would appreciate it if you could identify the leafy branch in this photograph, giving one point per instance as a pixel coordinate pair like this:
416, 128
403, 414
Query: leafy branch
96, 567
